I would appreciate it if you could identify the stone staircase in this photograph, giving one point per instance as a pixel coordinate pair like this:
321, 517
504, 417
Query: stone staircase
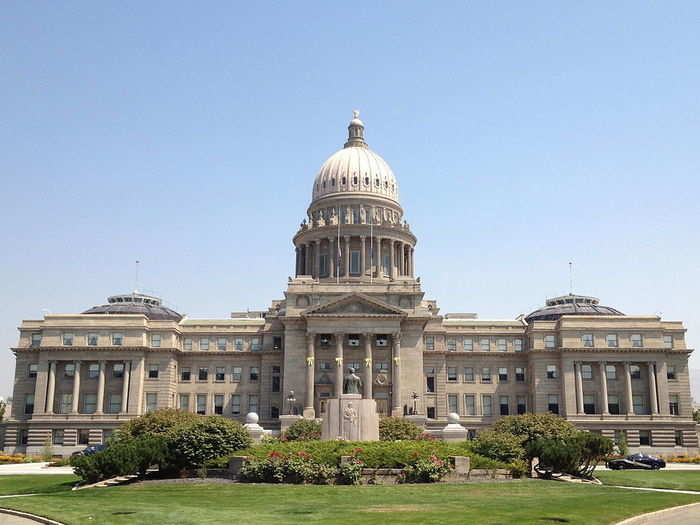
119, 480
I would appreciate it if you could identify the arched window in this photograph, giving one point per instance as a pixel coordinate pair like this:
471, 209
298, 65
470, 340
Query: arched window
333, 181
354, 180
376, 181
343, 181
366, 181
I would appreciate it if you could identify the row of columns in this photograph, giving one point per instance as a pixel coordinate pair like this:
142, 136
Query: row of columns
629, 405
366, 372
308, 257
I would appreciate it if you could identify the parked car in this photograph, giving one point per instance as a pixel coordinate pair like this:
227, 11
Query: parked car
637, 461
89, 450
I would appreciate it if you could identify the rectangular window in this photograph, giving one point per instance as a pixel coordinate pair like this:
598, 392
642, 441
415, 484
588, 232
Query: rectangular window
187, 344
325, 340
429, 342
613, 405
67, 339
92, 339
586, 372
486, 405
430, 380
152, 371
518, 345
277, 342
23, 437
638, 405
522, 405
430, 412
235, 404
355, 262
69, 369
255, 345
611, 372
552, 372
452, 374
155, 341
671, 373
503, 405
185, 373
117, 339
66, 404
57, 437
221, 344
236, 373
36, 340
553, 403
323, 264
451, 345
382, 340
83, 437
452, 404
678, 434
276, 380
93, 371
218, 404
115, 403
501, 345
29, 404
89, 403
220, 373
238, 344
254, 374
611, 340
587, 340
151, 401
185, 402
469, 406
549, 341
588, 404
668, 341
468, 374
202, 404
386, 264
502, 375
468, 344
32, 371
204, 345
635, 372
673, 405
485, 344
381, 366
253, 403
520, 375
118, 370
203, 374
644, 438
636, 340
485, 375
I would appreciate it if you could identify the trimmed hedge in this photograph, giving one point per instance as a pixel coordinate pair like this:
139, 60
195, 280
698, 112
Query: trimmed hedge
398, 429
303, 430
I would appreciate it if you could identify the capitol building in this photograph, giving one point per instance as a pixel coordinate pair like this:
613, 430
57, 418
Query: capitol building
354, 301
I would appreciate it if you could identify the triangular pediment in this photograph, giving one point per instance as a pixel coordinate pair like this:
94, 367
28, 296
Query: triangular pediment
354, 305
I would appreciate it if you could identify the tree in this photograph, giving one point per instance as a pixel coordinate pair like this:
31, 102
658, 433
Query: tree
532, 427
156, 423
577, 455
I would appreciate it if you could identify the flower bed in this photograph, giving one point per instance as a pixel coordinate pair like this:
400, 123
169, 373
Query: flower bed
17, 458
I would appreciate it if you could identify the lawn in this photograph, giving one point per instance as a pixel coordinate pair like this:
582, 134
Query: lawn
519, 502
660, 479
36, 484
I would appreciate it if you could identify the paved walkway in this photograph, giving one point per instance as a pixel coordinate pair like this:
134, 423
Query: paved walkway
6, 519
683, 515
33, 468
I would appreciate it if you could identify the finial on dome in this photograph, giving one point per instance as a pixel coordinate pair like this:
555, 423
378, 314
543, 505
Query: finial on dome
356, 131
355, 113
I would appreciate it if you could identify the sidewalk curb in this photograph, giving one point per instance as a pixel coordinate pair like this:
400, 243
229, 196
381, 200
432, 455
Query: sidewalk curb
633, 520
33, 517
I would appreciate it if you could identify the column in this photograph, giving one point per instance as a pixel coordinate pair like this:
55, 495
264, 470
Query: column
401, 259
662, 388
99, 409
629, 406
367, 379
310, 368
653, 402
297, 252
579, 389
307, 258
347, 256
378, 260
76, 388
317, 258
339, 364
603, 389
51, 389
139, 391
410, 261
125, 387
362, 255
392, 250
396, 409
331, 257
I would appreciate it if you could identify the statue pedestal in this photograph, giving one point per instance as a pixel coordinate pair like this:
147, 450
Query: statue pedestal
350, 418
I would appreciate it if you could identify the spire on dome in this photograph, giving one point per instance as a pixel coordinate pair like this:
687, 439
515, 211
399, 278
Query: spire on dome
356, 131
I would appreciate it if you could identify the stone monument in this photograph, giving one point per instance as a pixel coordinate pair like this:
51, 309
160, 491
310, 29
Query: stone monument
349, 417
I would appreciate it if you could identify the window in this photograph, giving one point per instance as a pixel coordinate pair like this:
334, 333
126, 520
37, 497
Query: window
255, 344
155, 340
673, 405
430, 380
23, 437
610, 372
69, 369
452, 404
117, 339
613, 405
588, 404
386, 260
238, 344
151, 401
678, 434
503, 405
36, 340
204, 345
468, 344
485, 344
235, 404
201, 404
502, 375
469, 406
522, 405
668, 341
83, 437
429, 342
549, 341
518, 345
637, 405
67, 341
33, 370
93, 370
218, 404
382, 340
486, 405
587, 340
115, 403
325, 340
203, 374
430, 412
671, 373
586, 372
274, 412
552, 372
635, 372
381, 366
277, 342
553, 403
220, 374
185, 373
644, 438
452, 374
451, 345
323, 265
187, 344
236, 373
501, 345
254, 374
152, 371
89, 403
520, 375
221, 344
185, 402
253, 403
612, 340
118, 370
57, 437
29, 404
636, 340
276, 383
355, 262
468, 374
92, 339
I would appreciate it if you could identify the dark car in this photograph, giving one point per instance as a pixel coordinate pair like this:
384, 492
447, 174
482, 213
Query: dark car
637, 461
89, 450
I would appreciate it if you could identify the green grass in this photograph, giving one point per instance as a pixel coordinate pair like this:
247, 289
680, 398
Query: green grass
36, 483
520, 502
659, 479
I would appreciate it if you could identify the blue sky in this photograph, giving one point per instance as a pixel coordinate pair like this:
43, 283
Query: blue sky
187, 135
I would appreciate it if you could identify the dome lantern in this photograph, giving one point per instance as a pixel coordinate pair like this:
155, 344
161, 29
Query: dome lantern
356, 132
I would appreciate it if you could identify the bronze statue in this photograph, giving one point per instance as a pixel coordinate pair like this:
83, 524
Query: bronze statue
351, 383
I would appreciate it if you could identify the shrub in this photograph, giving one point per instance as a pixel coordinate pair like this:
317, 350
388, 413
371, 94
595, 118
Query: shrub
426, 470
621, 446
531, 427
156, 423
350, 472
303, 430
207, 438
501, 446
397, 429
577, 455
518, 468
297, 468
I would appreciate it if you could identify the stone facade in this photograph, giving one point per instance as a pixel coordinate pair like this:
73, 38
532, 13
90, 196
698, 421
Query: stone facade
354, 302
